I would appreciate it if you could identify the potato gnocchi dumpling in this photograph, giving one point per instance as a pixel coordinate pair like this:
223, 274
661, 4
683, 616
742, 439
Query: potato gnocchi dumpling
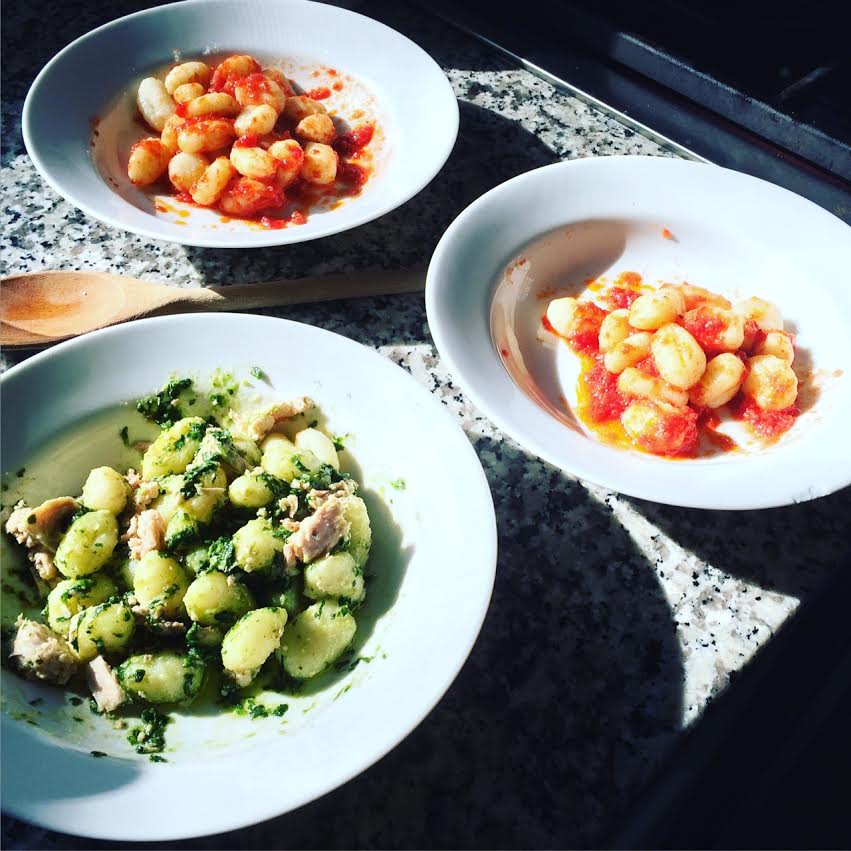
234, 136
235, 554
658, 364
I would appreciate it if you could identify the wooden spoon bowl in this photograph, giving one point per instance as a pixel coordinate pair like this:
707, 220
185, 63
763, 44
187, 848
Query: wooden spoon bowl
42, 308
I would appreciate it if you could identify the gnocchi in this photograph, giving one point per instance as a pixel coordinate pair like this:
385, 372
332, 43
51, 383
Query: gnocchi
657, 363
261, 136
219, 555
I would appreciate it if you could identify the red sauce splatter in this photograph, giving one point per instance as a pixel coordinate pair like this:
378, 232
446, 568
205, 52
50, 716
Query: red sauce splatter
348, 143
250, 140
224, 82
504, 352
648, 366
606, 402
585, 341
666, 234
768, 424
332, 72
628, 279
250, 199
708, 422
255, 87
706, 327
338, 86
675, 434
621, 297
319, 93
754, 335
352, 174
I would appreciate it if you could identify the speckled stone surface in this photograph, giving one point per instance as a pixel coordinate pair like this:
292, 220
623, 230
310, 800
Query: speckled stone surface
613, 621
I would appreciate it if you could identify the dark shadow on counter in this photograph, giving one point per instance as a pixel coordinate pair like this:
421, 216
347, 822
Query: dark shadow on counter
570, 698
792, 550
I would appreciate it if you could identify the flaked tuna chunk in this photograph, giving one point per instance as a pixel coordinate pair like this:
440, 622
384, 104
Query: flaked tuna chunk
258, 424
145, 533
40, 530
317, 534
104, 685
40, 654
145, 494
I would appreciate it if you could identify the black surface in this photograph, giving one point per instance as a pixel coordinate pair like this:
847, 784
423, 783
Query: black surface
768, 765
738, 132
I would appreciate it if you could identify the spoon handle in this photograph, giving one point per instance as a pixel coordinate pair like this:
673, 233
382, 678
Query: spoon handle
301, 291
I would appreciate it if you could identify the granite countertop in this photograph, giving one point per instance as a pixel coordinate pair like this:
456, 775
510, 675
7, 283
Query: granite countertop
614, 621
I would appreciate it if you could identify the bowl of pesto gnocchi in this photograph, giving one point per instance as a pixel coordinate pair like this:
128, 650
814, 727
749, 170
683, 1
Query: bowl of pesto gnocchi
626, 320
212, 571
240, 123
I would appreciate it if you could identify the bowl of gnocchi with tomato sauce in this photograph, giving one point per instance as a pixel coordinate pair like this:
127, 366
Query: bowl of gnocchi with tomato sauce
235, 124
670, 330
237, 139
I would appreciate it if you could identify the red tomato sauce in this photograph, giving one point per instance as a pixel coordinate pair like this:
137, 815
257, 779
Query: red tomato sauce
267, 205
706, 328
250, 140
621, 297
768, 424
605, 401
348, 144
648, 365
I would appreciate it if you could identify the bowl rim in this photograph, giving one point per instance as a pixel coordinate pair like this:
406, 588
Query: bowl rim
285, 236
437, 285
487, 540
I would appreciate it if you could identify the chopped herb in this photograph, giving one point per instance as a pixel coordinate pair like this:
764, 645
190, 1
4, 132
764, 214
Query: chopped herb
193, 476
150, 736
222, 555
160, 407
93, 707
124, 434
280, 709
281, 533
75, 701
139, 675
97, 753
31, 519
278, 487
314, 424
79, 513
218, 399
340, 441
155, 757
257, 373
20, 473
77, 718
258, 711
398, 484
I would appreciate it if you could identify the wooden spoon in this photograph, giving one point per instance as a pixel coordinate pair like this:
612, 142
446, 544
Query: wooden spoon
45, 307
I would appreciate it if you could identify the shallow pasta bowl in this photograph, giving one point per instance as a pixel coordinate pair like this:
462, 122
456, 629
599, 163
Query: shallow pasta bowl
79, 116
61, 415
548, 231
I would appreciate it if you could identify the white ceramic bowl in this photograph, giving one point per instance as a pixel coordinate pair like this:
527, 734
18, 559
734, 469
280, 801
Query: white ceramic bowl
733, 234
389, 78
433, 560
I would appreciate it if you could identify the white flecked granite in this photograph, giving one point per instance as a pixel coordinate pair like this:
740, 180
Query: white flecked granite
613, 621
